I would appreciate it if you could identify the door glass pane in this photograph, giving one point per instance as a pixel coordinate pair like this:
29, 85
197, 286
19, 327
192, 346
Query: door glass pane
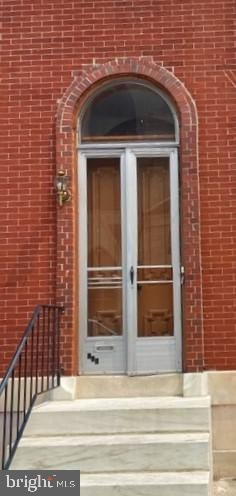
154, 243
104, 311
150, 274
154, 276
104, 214
104, 247
155, 310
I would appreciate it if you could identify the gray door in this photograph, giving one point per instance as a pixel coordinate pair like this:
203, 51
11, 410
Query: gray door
129, 278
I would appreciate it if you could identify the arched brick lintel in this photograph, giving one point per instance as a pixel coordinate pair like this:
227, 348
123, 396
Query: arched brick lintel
67, 285
160, 76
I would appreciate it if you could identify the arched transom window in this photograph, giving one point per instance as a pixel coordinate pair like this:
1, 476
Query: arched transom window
128, 110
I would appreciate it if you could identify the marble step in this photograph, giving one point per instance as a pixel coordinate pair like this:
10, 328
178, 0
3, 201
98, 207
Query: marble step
146, 484
115, 453
121, 415
121, 386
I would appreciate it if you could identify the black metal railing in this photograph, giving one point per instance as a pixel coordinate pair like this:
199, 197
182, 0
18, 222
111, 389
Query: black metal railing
34, 369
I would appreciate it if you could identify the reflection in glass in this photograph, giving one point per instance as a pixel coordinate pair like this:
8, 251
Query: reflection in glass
128, 111
154, 240
104, 215
104, 247
104, 311
154, 274
155, 310
154, 284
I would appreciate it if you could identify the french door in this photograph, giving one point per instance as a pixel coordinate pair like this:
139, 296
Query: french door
129, 264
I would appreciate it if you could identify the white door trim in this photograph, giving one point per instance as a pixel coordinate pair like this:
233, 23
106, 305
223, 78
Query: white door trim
83, 250
131, 258
175, 247
128, 155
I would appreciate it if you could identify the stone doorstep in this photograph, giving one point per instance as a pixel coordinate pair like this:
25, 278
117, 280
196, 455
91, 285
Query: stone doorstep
119, 386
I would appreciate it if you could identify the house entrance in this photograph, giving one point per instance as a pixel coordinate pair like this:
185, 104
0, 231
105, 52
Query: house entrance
129, 277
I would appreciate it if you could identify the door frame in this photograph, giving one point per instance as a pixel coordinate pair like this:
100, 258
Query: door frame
122, 150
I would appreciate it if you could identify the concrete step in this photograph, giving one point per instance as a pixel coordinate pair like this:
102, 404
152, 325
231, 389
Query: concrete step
123, 415
115, 453
146, 484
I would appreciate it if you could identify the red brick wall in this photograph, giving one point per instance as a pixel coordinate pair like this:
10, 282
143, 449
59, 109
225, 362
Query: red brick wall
43, 43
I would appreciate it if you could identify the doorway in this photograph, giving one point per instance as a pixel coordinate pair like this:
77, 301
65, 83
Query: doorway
130, 298
129, 262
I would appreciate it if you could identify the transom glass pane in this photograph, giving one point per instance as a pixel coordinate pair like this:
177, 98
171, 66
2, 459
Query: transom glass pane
128, 111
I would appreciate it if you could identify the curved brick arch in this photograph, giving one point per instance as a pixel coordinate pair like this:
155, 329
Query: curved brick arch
67, 284
85, 79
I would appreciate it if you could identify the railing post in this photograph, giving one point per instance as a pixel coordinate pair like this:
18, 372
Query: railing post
18, 396
4, 428
31, 362
37, 353
11, 410
23, 362
43, 351
48, 345
60, 311
54, 331
25, 377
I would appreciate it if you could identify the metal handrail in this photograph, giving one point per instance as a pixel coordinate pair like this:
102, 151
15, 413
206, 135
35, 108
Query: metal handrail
33, 370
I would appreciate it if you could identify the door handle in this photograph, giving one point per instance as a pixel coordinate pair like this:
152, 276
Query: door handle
131, 274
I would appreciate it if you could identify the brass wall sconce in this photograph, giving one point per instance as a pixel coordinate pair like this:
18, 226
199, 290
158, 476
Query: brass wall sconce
61, 186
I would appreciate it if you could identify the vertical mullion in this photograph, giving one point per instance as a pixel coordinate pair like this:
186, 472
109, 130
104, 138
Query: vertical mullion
131, 257
175, 253
123, 203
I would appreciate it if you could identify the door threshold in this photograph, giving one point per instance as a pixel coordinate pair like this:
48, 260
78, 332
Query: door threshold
117, 386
